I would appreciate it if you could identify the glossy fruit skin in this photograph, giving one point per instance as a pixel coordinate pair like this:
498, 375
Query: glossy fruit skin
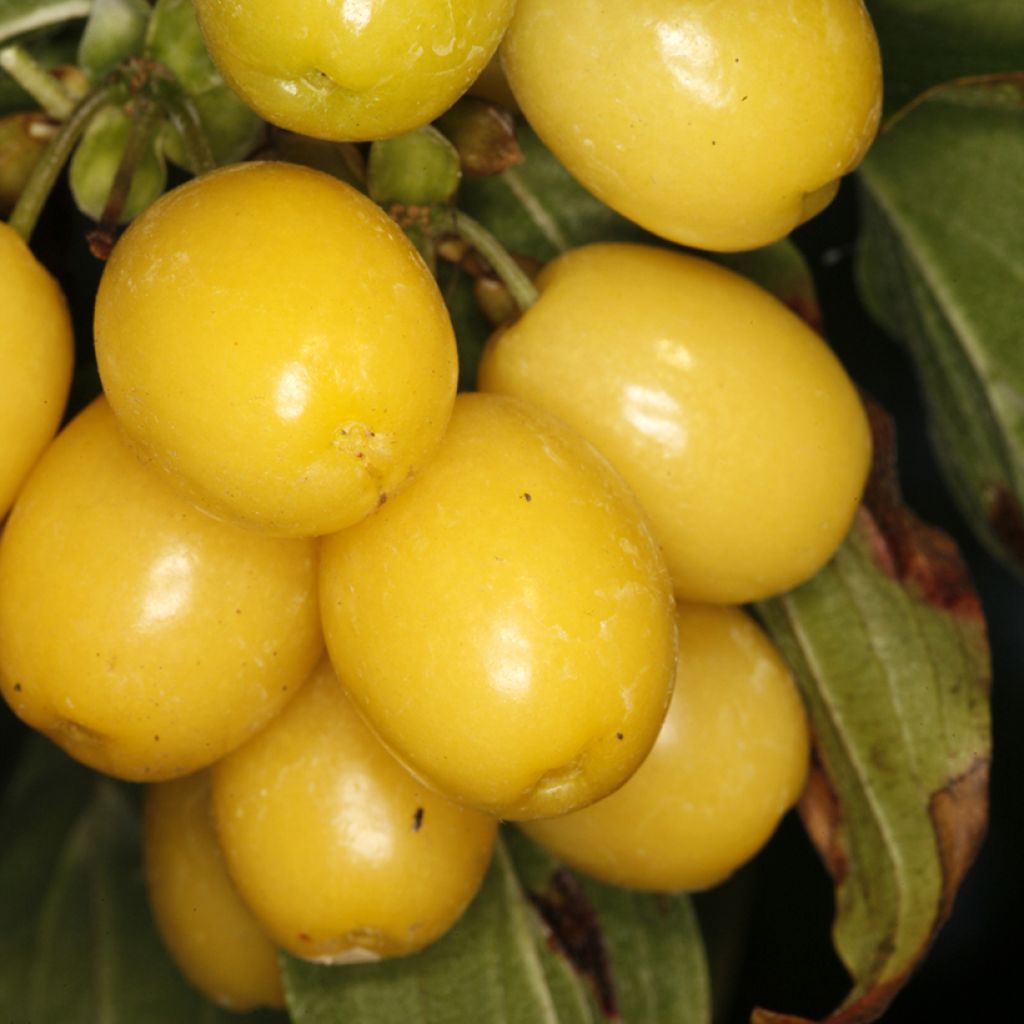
505, 624
341, 854
142, 636
36, 356
730, 760
720, 125
733, 422
270, 338
210, 933
365, 69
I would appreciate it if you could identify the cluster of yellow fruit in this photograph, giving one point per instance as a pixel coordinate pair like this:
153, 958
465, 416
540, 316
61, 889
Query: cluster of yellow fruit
280, 460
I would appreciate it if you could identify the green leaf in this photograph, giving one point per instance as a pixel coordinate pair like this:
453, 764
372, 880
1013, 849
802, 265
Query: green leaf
539, 209
19, 17
95, 164
114, 31
174, 38
503, 962
941, 265
77, 944
232, 129
888, 647
930, 42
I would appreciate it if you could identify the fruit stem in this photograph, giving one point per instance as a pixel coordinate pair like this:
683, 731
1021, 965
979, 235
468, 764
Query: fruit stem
182, 113
144, 118
522, 289
44, 176
36, 81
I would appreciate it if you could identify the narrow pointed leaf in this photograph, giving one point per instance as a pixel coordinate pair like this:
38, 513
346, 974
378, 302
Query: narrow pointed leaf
77, 943
928, 42
888, 647
506, 960
114, 31
941, 266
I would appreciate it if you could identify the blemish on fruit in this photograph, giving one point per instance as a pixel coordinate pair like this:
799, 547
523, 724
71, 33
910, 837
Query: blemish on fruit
17, 687
303, 937
619, 736
527, 496
417, 819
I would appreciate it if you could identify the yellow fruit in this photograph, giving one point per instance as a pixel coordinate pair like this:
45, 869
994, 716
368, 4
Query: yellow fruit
506, 622
737, 428
208, 930
142, 636
269, 337
731, 758
353, 71
36, 353
340, 853
721, 124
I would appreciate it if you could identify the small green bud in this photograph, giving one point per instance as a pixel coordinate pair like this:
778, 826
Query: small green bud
420, 168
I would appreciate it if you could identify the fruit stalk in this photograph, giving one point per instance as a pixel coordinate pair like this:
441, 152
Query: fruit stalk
145, 117
39, 185
36, 81
512, 275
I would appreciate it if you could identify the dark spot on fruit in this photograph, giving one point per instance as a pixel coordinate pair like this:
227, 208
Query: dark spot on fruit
17, 687
157, 738
527, 496
380, 501
417, 819
360, 455
619, 736
303, 937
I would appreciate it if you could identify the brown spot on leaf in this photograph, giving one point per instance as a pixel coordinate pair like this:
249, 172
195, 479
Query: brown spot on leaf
576, 933
868, 1007
1006, 518
959, 814
922, 558
822, 817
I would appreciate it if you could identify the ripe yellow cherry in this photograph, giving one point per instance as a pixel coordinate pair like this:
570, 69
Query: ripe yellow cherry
142, 636
358, 70
36, 352
506, 622
210, 933
737, 428
721, 124
730, 760
341, 854
268, 336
